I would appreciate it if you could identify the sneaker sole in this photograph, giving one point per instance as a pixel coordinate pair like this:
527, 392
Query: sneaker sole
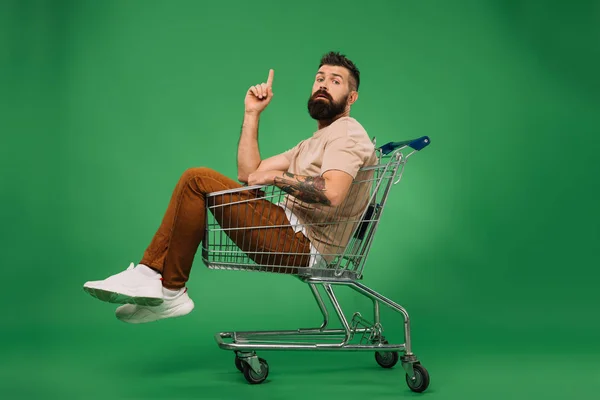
119, 298
176, 312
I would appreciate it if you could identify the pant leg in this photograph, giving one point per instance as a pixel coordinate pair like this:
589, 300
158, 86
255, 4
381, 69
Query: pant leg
174, 246
262, 230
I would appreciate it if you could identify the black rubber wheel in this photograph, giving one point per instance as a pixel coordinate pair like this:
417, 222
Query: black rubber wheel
238, 364
254, 378
387, 359
421, 381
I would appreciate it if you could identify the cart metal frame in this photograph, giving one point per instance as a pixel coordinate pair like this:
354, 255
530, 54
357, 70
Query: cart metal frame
346, 270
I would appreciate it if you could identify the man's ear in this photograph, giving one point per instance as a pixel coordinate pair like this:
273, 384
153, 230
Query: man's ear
353, 97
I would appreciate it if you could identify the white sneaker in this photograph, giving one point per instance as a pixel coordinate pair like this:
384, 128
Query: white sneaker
135, 285
172, 307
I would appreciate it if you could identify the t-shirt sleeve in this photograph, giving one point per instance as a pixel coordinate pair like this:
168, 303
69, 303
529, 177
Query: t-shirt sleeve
291, 153
344, 154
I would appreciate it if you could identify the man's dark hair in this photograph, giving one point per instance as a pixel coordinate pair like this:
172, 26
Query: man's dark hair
340, 60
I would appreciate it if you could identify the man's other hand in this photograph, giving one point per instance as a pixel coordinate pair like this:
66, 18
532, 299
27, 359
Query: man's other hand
259, 96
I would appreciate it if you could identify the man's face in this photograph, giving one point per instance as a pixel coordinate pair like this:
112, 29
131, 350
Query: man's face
330, 92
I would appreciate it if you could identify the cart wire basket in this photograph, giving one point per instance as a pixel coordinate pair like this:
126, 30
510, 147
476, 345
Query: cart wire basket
340, 240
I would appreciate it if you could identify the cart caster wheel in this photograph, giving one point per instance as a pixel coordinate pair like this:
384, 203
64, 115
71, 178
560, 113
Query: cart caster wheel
421, 381
387, 359
238, 364
251, 376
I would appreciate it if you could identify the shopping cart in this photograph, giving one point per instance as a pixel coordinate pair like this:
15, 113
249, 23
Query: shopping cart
342, 266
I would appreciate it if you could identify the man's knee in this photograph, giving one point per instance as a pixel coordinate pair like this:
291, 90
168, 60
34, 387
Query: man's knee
203, 179
196, 172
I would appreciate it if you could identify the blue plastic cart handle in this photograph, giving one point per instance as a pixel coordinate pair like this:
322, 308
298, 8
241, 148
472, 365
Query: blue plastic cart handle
417, 144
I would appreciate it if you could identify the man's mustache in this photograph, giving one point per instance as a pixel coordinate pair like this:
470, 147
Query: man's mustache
322, 93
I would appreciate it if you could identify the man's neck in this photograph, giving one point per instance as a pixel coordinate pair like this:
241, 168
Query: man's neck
323, 123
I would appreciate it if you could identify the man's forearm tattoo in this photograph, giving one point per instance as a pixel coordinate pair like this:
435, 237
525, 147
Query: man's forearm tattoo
305, 188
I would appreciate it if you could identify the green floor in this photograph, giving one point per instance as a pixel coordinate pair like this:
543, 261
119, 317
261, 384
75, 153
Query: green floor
82, 352
139, 366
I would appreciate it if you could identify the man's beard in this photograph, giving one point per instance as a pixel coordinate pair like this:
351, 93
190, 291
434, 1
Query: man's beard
325, 110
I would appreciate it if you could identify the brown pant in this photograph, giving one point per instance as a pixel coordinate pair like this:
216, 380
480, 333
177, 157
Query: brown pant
173, 248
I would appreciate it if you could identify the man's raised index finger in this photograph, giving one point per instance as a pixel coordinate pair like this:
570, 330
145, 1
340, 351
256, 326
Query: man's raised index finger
270, 78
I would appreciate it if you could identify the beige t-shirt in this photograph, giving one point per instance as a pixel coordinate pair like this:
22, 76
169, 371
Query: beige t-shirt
343, 145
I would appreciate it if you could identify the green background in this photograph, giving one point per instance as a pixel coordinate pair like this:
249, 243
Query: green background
490, 241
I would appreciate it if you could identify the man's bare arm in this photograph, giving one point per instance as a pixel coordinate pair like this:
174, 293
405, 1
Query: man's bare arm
306, 188
329, 189
248, 156
257, 99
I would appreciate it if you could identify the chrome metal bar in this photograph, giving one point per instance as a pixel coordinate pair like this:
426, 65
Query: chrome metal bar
303, 337
295, 332
322, 307
359, 287
374, 295
340, 313
240, 189
284, 341
302, 346
316, 346
376, 317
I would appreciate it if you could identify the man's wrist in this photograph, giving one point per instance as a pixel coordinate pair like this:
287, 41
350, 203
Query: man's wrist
251, 115
277, 174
